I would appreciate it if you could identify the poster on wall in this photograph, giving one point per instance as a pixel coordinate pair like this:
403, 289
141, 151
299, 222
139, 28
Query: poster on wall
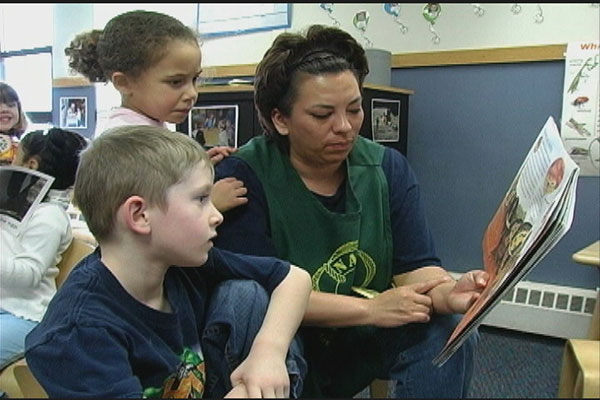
214, 125
385, 120
73, 112
580, 123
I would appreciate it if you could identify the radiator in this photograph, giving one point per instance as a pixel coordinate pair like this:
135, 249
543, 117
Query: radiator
551, 310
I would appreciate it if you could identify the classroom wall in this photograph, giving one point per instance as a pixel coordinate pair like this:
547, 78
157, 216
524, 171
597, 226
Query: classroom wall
469, 126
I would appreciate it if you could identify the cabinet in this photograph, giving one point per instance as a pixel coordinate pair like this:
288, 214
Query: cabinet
248, 126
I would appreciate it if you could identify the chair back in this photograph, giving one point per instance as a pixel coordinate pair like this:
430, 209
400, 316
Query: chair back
76, 251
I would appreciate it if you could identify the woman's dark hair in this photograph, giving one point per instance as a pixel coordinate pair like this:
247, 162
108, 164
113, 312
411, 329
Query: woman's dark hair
130, 43
320, 50
8, 95
57, 153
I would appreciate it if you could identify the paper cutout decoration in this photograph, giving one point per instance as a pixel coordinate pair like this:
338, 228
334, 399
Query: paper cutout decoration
394, 10
478, 10
360, 22
431, 11
328, 8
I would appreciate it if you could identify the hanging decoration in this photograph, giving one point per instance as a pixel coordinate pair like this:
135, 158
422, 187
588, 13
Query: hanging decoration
478, 10
394, 10
431, 12
515, 8
328, 8
360, 22
539, 16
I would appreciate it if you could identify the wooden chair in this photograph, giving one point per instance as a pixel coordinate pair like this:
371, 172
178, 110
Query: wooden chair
16, 380
74, 253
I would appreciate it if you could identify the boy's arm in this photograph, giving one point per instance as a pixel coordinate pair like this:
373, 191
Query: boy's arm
263, 372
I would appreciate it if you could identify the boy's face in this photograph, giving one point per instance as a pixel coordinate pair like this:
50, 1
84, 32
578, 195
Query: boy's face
182, 232
167, 90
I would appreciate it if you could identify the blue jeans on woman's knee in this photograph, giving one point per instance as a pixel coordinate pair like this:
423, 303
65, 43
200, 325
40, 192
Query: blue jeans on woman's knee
414, 372
13, 330
236, 312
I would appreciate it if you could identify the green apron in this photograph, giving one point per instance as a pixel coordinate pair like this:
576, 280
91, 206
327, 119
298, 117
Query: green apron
338, 250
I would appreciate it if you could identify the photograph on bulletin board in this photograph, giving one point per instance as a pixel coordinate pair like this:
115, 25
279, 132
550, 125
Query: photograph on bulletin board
73, 112
214, 125
385, 120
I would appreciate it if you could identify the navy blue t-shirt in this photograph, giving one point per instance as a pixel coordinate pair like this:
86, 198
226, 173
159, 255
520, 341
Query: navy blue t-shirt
96, 340
246, 229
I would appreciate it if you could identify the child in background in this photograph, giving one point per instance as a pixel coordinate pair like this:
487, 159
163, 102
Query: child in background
153, 60
137, 317
12, 123
28, 260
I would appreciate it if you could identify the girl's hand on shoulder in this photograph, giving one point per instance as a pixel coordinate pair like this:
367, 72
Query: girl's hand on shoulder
228, 193
218, 153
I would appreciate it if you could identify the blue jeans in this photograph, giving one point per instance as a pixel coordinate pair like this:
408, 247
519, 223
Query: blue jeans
417, 377
235, 314
13, 330
343, 361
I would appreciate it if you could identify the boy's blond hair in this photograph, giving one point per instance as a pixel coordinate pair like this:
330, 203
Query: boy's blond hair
132, 160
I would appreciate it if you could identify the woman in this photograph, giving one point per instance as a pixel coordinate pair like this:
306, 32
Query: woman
347, 210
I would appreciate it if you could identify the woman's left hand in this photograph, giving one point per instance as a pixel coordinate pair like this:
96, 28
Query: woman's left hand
466, 290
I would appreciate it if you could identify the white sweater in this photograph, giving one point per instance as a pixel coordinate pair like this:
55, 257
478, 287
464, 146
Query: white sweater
28, 261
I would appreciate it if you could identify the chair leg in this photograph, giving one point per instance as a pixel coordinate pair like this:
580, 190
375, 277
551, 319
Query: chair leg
379, 389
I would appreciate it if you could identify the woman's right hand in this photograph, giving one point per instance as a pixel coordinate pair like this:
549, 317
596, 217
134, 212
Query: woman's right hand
403, 305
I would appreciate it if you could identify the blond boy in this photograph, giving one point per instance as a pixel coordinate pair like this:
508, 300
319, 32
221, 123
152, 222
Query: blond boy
137, 318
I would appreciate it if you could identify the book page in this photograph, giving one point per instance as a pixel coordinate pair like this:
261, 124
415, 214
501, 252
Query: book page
535, 213
21, 191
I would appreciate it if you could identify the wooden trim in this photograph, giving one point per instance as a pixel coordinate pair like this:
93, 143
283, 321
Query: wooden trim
550, 52
225, 88
71, 81
225, 71
388, 88
480, 56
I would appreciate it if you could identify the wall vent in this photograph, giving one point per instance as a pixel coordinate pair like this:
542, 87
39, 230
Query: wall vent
545, 309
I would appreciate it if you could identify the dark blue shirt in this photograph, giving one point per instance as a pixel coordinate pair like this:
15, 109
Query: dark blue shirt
96, 340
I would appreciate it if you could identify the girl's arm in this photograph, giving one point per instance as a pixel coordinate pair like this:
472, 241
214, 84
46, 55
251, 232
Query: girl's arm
263, 372
27, 258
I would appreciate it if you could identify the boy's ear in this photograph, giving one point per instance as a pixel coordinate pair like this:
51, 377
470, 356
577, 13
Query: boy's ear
134, 212
280, 122
121, 82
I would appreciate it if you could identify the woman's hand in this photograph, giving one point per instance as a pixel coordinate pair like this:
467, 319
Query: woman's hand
467, 289
405, 304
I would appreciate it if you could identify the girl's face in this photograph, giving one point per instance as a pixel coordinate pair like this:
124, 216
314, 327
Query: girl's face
9, 116
325, 118
166, 91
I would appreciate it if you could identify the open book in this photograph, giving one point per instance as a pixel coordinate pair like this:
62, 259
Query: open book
21, 191
533, 216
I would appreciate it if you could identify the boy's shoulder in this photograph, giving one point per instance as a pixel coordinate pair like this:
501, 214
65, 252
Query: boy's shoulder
85, 299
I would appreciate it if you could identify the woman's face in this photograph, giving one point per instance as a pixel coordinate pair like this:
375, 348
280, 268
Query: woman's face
325, 118
9, 115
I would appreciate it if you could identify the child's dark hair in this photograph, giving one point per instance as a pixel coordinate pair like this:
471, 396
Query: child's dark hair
8, 95
320, 50
57, 153
130, 43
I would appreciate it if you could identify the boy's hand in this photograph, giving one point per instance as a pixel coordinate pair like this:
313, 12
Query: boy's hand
238, 392
263, 374
228, 193
218, 153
